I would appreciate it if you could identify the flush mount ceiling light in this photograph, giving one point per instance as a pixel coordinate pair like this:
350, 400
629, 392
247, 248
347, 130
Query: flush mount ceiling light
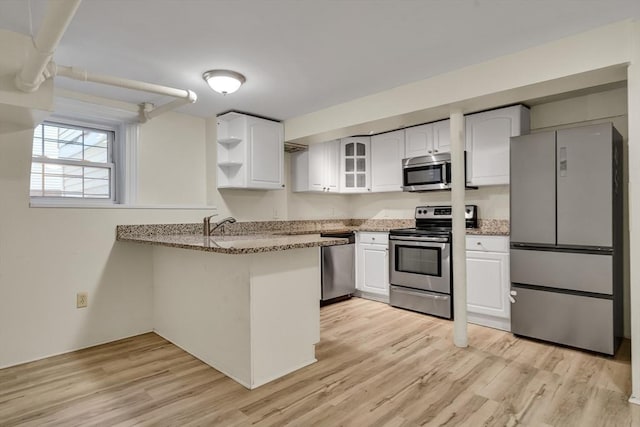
223, 81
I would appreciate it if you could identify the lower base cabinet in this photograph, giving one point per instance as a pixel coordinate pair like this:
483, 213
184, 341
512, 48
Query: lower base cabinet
488, 281
372, 258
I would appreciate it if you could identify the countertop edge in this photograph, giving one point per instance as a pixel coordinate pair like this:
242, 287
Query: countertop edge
268, 246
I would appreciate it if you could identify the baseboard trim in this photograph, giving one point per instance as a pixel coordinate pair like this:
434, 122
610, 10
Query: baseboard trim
35, 359
371, 296
281, 374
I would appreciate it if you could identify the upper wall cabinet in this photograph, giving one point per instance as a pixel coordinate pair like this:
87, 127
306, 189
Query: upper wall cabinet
487, 143
423, 140
387, 152
355, 174
250, 152
317, 169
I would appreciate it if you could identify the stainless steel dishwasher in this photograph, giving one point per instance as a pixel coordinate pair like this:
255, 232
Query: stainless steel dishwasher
338, 269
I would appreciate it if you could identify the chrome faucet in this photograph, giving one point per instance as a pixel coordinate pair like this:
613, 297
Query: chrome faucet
206, 226
208, 231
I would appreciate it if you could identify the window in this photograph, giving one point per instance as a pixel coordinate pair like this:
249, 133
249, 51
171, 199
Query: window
73, 162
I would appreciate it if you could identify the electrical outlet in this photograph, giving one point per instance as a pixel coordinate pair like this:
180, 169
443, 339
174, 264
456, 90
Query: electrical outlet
82, 299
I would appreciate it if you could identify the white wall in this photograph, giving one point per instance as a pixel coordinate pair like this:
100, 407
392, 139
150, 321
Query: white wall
172, 161
47, 255
634, 208
493, 203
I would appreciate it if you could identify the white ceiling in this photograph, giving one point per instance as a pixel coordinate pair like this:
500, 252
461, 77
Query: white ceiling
299, 56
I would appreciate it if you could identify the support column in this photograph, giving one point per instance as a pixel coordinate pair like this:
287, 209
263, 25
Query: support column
633, 93
458, 250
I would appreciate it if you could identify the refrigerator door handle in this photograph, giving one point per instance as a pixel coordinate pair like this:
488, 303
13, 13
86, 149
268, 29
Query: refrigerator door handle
563, 161
512, 294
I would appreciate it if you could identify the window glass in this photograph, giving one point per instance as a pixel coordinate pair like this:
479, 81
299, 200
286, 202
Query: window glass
72, 162
348, 149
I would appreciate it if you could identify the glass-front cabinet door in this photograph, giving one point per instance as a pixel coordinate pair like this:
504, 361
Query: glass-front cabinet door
354, 165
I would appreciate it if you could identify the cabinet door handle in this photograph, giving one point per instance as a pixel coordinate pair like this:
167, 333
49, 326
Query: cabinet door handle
435, 151
429, 151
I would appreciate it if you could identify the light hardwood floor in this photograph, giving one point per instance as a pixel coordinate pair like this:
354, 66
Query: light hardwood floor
376, 366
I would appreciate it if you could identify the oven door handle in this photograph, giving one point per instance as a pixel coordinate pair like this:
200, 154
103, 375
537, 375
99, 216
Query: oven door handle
420, 239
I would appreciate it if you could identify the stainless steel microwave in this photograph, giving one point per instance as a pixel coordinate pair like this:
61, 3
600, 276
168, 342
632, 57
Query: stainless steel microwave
428, 173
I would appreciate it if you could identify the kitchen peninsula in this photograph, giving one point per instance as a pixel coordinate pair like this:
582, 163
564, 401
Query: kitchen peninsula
245, 304
247, 301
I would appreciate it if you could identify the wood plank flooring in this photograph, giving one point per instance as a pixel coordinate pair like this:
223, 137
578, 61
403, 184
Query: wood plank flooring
377, 366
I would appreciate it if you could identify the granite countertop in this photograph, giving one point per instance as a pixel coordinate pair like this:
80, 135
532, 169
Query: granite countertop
244, 244
267, 236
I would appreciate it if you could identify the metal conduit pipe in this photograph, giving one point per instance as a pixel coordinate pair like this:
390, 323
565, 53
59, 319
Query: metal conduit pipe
39, 65
184, 96
54, 25
83, 75
145, 114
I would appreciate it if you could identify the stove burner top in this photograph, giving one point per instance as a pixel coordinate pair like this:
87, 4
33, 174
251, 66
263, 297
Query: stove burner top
435, 221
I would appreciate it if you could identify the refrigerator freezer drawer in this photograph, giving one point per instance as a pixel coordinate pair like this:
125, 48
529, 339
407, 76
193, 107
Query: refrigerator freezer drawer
573, 320
422, 301
563, 270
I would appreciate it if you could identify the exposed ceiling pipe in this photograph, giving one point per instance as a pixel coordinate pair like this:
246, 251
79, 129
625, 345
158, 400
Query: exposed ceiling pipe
184, 96
39, 65
55, 23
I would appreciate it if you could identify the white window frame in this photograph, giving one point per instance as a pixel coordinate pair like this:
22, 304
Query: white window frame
111, 165
124, 152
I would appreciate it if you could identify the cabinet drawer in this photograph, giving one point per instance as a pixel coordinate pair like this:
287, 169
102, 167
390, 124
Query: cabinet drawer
421, 301
372, 237
488, 243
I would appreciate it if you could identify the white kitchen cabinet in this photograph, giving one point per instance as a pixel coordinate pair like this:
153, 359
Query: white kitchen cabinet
317, 169
432, 138
372, 259
250, 152
488, 281
355, 173
487, 143
387, 152
441, 136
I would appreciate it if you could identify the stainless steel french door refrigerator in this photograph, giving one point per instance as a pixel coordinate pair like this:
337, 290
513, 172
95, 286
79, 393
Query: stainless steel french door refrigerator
566, 237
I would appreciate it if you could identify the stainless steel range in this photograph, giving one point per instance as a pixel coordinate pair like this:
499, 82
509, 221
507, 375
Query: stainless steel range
420, 261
